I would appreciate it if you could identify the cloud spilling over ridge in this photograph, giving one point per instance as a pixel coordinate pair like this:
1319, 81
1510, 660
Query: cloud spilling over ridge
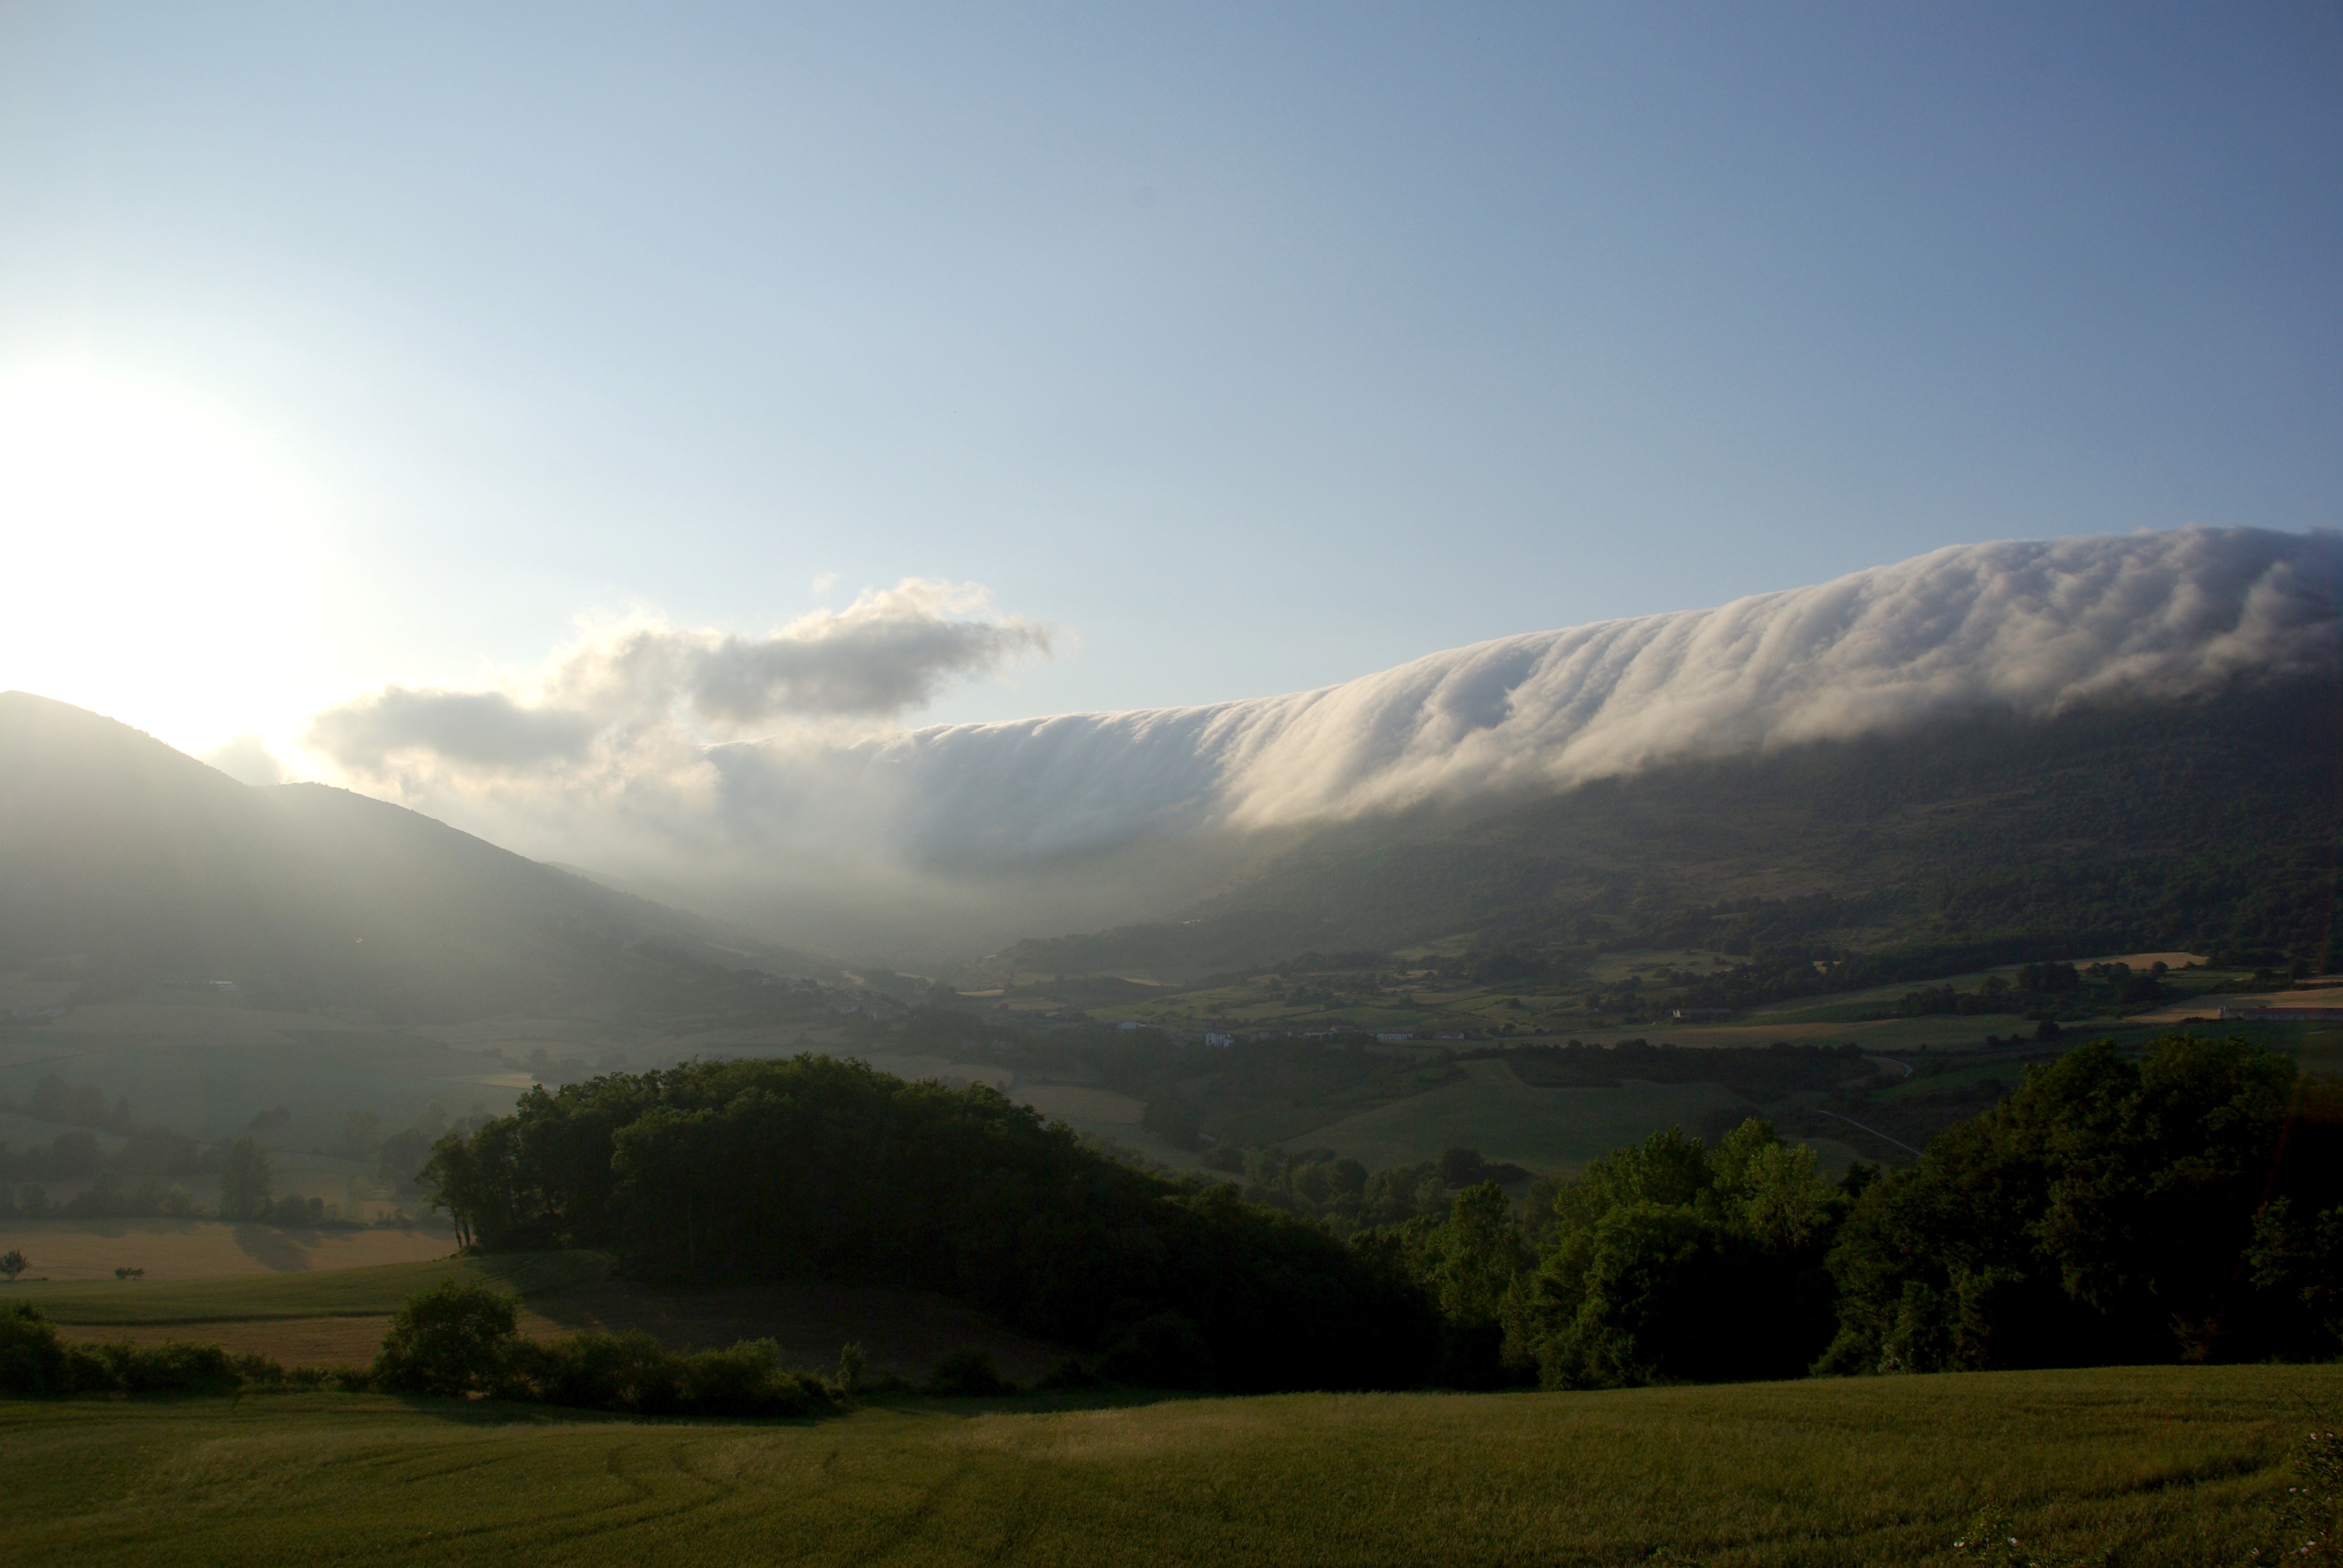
884, 654
2024, 628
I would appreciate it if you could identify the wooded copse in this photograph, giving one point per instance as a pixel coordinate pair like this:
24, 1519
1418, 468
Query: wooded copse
2183, 1205
759, 1169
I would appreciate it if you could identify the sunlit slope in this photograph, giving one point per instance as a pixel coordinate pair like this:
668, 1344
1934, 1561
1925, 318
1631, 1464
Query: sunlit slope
2165, 1466
2207, 824
126, 862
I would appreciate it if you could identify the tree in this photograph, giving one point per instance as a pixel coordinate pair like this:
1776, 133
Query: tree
1673, 1261
245, 1175
400, 1157
454, 1338
1474, 1259
452, 1177
12, 1263
2111, 1210
1645, 1293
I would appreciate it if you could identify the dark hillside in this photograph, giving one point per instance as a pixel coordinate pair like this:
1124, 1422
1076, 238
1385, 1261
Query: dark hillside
126, 863
2208, 825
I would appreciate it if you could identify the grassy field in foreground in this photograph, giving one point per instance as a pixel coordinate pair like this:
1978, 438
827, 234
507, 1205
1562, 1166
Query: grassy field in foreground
2166, 1466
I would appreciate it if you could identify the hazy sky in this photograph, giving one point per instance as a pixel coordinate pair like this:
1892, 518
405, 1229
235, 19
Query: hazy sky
1248, 348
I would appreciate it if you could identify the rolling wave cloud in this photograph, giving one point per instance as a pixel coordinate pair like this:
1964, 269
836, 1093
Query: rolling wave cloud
2022, 628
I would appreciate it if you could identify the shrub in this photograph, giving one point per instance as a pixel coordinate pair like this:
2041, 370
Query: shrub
455, 1338
172, 1368
594, 1371
36, 1364
747, 1379
33, 1363
635, 1374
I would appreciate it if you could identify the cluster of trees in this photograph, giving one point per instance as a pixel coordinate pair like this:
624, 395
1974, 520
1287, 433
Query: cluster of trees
1344, 1197
463, 1337
136, 1181
2188, 1203
84, 1105
134, 1178
1670, 1261
138, 1176
2043, 991
756, 1170
78, 1156
248, 1179
107, 1196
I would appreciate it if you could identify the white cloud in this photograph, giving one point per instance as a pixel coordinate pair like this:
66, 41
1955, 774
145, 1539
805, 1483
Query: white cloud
2022, 627
246, 759
643, 687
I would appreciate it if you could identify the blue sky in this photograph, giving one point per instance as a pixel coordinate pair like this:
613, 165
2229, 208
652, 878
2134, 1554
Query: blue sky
1255, 348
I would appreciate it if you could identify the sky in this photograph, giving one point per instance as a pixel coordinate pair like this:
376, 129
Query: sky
1116, 356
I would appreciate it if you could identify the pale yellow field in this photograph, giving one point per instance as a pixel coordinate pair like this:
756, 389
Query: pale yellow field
204, 1249
2208, 1007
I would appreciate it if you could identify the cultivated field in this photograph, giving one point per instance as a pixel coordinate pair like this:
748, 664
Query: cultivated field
2165, 1466
338, 1317
73, 1251
1494, 1112
327, 1292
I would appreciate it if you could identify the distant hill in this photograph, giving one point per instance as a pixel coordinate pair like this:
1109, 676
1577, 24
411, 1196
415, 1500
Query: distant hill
125, 864
2208, 824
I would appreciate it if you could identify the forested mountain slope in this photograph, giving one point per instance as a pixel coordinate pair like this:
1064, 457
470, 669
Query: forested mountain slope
2206, 824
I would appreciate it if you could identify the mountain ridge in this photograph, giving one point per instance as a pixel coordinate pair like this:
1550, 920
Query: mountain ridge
126, 862
2210, 821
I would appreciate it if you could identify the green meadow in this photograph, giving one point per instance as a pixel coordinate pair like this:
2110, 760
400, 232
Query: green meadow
2172, 1465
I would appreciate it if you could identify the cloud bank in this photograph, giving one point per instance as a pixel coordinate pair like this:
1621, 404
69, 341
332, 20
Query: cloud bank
2024, 628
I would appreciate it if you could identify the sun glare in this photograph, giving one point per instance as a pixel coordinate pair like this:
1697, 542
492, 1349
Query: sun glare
155, 550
